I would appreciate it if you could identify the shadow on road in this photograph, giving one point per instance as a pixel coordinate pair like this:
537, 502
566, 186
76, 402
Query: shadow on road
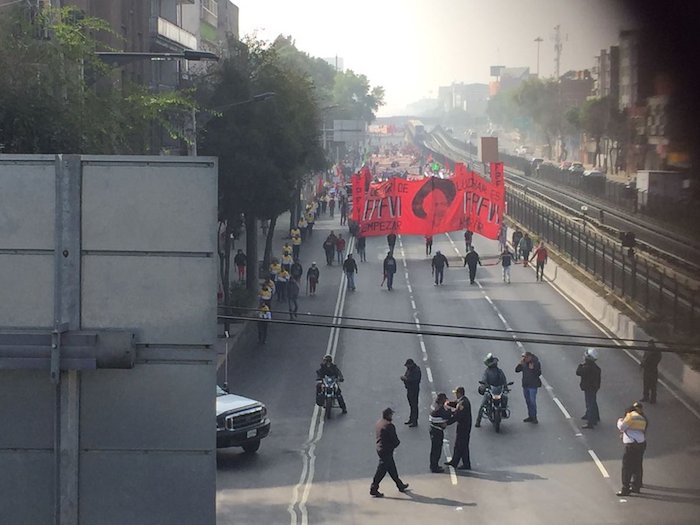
671, 494
230, 459
418, 498
503, 476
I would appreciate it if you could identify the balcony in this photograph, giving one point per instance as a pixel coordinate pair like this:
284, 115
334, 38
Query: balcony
210, 12
171, 36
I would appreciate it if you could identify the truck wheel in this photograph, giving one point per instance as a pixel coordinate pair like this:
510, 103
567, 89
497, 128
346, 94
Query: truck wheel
252, 447
329, 406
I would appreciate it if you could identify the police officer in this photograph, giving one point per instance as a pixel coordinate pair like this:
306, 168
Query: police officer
650, 372
632, 427
411, 380
463, 417
439, 418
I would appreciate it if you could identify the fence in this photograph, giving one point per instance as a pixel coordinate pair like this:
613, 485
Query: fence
645, 284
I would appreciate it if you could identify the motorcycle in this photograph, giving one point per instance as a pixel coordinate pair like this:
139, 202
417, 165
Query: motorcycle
496, 406
327, 394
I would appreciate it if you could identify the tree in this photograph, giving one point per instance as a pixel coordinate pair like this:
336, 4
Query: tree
48, 103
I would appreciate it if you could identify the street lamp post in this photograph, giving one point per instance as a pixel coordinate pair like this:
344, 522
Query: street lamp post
539, 41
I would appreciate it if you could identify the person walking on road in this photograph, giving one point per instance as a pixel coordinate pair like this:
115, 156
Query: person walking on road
650, 372
589, 372
440, 416
292, 296
340, 248
471, 260
282, 280
329, 248
463, 417
506, 259
343, 212
264, 317
361, 244
389, 266
525, 247
350, 269
296, 271
515, 239
296, 243
241, 261
312, 275
387, 441
438, 267
633, 429
301, 225
391, 241
468, 237
331, 206
428, 245
411, 380
531, 369
541, 257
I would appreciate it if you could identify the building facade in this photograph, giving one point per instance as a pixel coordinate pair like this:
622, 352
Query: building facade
470, 98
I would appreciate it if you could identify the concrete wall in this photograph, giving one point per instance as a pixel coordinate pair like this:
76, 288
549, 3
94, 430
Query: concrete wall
148, 246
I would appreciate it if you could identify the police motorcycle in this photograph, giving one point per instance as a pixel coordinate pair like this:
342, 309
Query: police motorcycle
496, 406
327, 395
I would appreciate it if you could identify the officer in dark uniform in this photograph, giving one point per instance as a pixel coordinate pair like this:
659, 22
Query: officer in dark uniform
650, 372
440, 417
411, 380
463, 417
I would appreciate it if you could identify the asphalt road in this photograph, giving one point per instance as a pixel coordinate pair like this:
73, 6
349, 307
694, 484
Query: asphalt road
314, 471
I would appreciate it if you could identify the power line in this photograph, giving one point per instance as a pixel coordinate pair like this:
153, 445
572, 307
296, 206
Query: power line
482, 337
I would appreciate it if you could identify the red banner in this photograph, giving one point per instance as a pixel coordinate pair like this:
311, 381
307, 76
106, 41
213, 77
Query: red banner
431, 205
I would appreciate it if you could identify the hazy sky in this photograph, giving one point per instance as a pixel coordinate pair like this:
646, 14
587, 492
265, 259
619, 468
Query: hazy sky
410, 47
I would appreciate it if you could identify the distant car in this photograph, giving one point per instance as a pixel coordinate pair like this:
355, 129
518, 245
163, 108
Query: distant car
593, 173
240, 422
577, 167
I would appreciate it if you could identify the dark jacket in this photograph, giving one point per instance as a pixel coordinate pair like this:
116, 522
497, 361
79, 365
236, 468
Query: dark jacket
240, 259
389, 264
494, 376
589, 372
361, 242
391, 239
650, 362
332, 371
296, 270
462, 415
439, 261
531, 376
440, 417
312, 273
387, 440
471, 259
293, 289
517, 235
412, 378
350, 266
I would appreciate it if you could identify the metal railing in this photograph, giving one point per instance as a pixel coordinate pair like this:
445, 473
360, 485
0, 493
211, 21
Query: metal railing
644, 284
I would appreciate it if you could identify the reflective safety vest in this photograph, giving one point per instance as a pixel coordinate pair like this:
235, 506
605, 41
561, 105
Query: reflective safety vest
296, 240
265, 294
286, 250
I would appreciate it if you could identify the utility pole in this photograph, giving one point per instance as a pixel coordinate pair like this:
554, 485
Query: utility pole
558, 46
539, 41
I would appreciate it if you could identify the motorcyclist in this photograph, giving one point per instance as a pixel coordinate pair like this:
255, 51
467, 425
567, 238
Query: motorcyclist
493, 376
329, 368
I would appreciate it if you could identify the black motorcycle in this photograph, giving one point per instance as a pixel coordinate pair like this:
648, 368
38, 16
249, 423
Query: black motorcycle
496, 406
328, 394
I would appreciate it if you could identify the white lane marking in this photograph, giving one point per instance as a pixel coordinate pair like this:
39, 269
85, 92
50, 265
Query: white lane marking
410, 290
404, 263
562, 408
308, 451
446, 448
422, 347
502, 318
613, 338
430, 373
599, 464
489, 300
413, 304
406, 275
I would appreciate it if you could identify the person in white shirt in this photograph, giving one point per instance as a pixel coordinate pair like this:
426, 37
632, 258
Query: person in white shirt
633, 427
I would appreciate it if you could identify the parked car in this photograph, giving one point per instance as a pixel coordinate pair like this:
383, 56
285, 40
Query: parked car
240, 422
577, 168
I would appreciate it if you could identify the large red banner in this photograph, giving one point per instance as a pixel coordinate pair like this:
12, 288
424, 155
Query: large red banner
465, 201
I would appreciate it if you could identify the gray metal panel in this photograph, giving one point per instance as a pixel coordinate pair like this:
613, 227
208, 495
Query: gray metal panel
161, 407
26, 203
26, 487
156, 206
120, 488
26, 282
27, 410
170, 300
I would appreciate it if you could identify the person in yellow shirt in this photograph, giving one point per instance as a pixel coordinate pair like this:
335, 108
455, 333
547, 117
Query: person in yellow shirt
275, 269
286, 249
296, 243
282, 280
264, 316
287, 260
302, 226
265, 296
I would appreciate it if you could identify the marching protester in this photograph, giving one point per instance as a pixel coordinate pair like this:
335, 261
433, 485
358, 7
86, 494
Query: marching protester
471, 260
340, 248
360, 244
241, 261
343, 212
506, 259
387, 441
265, 294
515, 240
463, 417
264, 317
589, 372
541, 256
440, 416
468, 236
350, 269
296, 270
411, 380
312, 275
531, 369
281, 284
428, 245
633, 428
391, 241
525, 247
438, 266
292, 296
329, 248
296, 243
650, 372
389, 267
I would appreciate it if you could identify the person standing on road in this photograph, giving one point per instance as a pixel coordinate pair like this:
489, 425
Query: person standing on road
292, 296
438, 266
440, 416
331, 206
389, 270
301, 225
296, 243
468, 237
471, 260
387, 441
650, 372
391, 241
525, 247
310, 221
282, 280
240, 260
589, 372
411, 380
506, 259
264, 317
531, 369
428, 245
503, 238
515, 239
463, 417
329, 248
360, 244
312, 275
340, 248
350, 269
343, 212
633, 428
296, 271
541, 256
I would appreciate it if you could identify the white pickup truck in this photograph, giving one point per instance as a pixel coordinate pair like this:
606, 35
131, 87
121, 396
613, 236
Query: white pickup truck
240, 422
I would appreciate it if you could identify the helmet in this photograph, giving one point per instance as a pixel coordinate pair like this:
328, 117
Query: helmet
490, 360
591, 354
328, 357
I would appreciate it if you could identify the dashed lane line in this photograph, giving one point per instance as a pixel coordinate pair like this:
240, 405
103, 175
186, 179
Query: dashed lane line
430, 373
599, 464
